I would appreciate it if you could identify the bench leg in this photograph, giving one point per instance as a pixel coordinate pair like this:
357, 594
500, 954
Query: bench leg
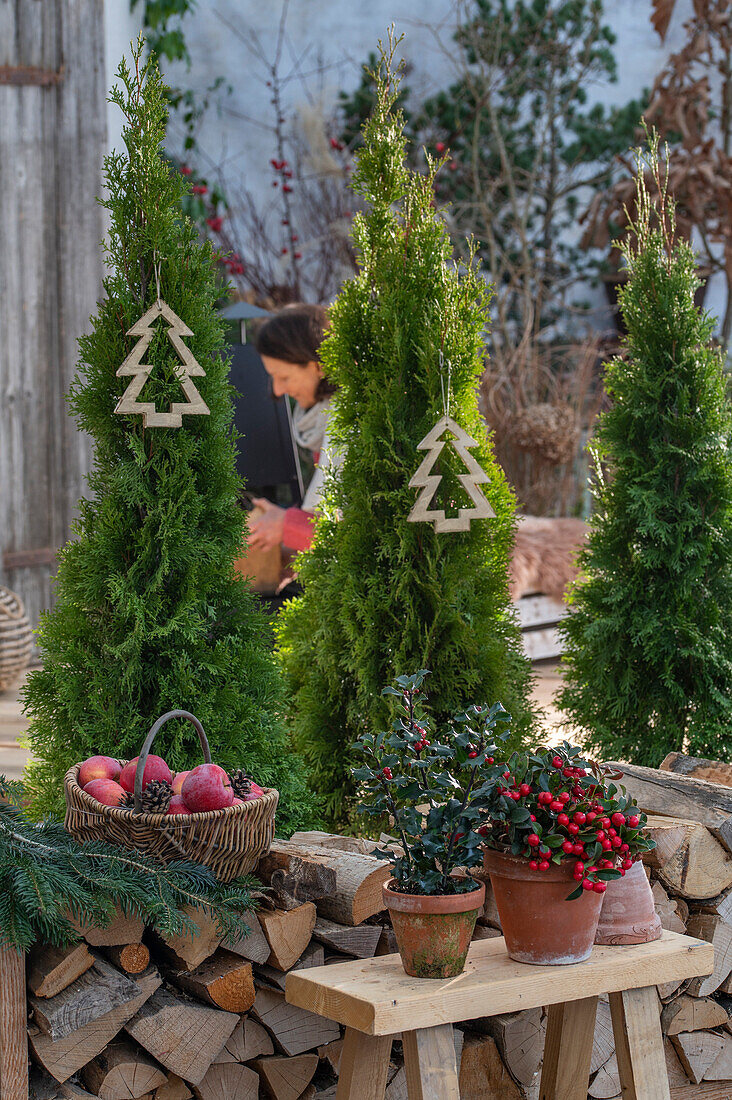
430, 1063
639, 1044
570, 1031
364, 1066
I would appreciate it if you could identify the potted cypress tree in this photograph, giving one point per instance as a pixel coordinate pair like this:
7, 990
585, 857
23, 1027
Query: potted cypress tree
435, 789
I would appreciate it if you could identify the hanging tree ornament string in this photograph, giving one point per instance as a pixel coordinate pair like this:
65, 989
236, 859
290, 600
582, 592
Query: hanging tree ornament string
445, 390
156, 269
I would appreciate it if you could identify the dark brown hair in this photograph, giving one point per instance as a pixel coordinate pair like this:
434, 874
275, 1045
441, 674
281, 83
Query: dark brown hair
295, 334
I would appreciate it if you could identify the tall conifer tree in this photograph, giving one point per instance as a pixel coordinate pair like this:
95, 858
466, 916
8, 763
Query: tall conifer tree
648, 665
150, 615
383, 596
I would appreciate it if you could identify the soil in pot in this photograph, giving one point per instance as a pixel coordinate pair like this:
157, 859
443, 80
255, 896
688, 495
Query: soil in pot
628, 913
539, 925
433, 933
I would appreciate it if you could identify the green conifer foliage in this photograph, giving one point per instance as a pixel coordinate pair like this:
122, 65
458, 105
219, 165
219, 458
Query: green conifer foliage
150, 615
383, 596
649, 649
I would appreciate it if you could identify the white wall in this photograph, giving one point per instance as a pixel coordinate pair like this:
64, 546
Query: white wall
121, 27
339, 34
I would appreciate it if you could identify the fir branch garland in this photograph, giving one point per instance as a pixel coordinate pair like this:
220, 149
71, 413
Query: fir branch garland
46, 877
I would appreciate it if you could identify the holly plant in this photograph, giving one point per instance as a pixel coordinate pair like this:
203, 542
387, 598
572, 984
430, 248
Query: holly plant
435, 787
552, 805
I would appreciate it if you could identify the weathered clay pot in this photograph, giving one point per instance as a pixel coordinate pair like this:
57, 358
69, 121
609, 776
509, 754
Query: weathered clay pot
433, 933
538, 923
628, 914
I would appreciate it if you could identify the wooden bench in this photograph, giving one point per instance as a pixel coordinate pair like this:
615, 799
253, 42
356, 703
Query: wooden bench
376, 1001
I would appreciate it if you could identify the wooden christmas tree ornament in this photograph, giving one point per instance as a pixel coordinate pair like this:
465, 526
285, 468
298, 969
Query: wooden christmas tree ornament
138, 372
428, 482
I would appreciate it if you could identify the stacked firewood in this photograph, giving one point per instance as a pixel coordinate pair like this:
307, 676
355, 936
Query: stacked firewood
129, 1016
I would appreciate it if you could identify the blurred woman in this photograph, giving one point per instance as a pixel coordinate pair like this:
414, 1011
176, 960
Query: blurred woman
289, 344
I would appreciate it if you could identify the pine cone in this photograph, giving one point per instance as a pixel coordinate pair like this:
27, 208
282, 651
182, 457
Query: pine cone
156, 797
240, 782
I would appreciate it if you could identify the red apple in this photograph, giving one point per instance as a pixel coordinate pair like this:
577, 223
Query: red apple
178, 781
106, 791
155, 768
178, 806
255, 791
204, 789
98, 767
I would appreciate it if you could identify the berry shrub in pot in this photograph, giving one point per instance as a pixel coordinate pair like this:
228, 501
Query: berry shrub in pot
558, 829
435, 788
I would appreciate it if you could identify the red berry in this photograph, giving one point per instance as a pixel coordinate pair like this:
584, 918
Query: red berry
600, 834
440, 146
616, 842
626, 864
625, 847
612, 832
579, 817
607, 844
532, 817
544, 798
533, 840
618, 819
284, 251
544, 865
482, 831
489, 760
573, 830
534, 865
297, 255
564, 796
591, 817
579, 866
524, 789
557, 762
634, 821
286, 187
515, 796
587, 884
563, 819
185, 170
578, 876
567, 847
606, 822
556, 806
472, 755
387, 773
599, 887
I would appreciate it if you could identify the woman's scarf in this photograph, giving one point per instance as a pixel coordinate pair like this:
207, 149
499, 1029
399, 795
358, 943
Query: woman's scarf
309, 425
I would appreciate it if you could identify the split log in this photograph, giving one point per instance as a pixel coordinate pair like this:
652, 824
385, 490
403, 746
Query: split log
121, 929
360, 942
704, 926
174, 1088
51, 969
133, 958
251, 943
357, 893
489, 916
714, 771
288, 934
293, 878
687, 858
294, 1029
709, 1090
121, 1072
387, 944
67, 1056
721, 905
603, 1042
673, 912
331, 1053
188, 951
184, 1037
248, 1040
692, 1014
675, 1072
520, 1040
698, 1050
313, 955
397, 1088
73, 1092
721, 1068
228, 1082
661, 792
668, 990
483, 1073
224, 981
286, 1078
98, 991
606, 1083
354, 844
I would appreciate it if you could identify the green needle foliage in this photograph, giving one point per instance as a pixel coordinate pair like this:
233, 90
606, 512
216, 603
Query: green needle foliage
47, 877
150, 615
649, 649
383, 595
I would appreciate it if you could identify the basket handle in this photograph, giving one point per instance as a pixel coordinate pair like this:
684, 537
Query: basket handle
145, 750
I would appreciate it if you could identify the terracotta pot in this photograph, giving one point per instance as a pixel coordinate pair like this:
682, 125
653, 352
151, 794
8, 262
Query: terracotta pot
539, 924
628, 914
433, 933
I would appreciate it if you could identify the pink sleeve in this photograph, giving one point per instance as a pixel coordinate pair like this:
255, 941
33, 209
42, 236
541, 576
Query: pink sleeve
297, 533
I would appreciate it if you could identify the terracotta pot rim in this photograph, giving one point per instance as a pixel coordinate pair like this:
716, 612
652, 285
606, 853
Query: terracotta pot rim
504, 863
433, 903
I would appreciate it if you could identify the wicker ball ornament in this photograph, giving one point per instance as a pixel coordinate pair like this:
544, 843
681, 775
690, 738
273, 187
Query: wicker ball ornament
548, 431
16, 638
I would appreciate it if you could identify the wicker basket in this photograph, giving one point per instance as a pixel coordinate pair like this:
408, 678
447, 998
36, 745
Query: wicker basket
16, 638
230, 841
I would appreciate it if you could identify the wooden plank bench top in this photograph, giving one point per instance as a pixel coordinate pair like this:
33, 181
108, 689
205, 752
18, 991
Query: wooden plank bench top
376, 997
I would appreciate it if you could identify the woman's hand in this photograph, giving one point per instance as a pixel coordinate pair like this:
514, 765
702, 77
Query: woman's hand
265, 529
